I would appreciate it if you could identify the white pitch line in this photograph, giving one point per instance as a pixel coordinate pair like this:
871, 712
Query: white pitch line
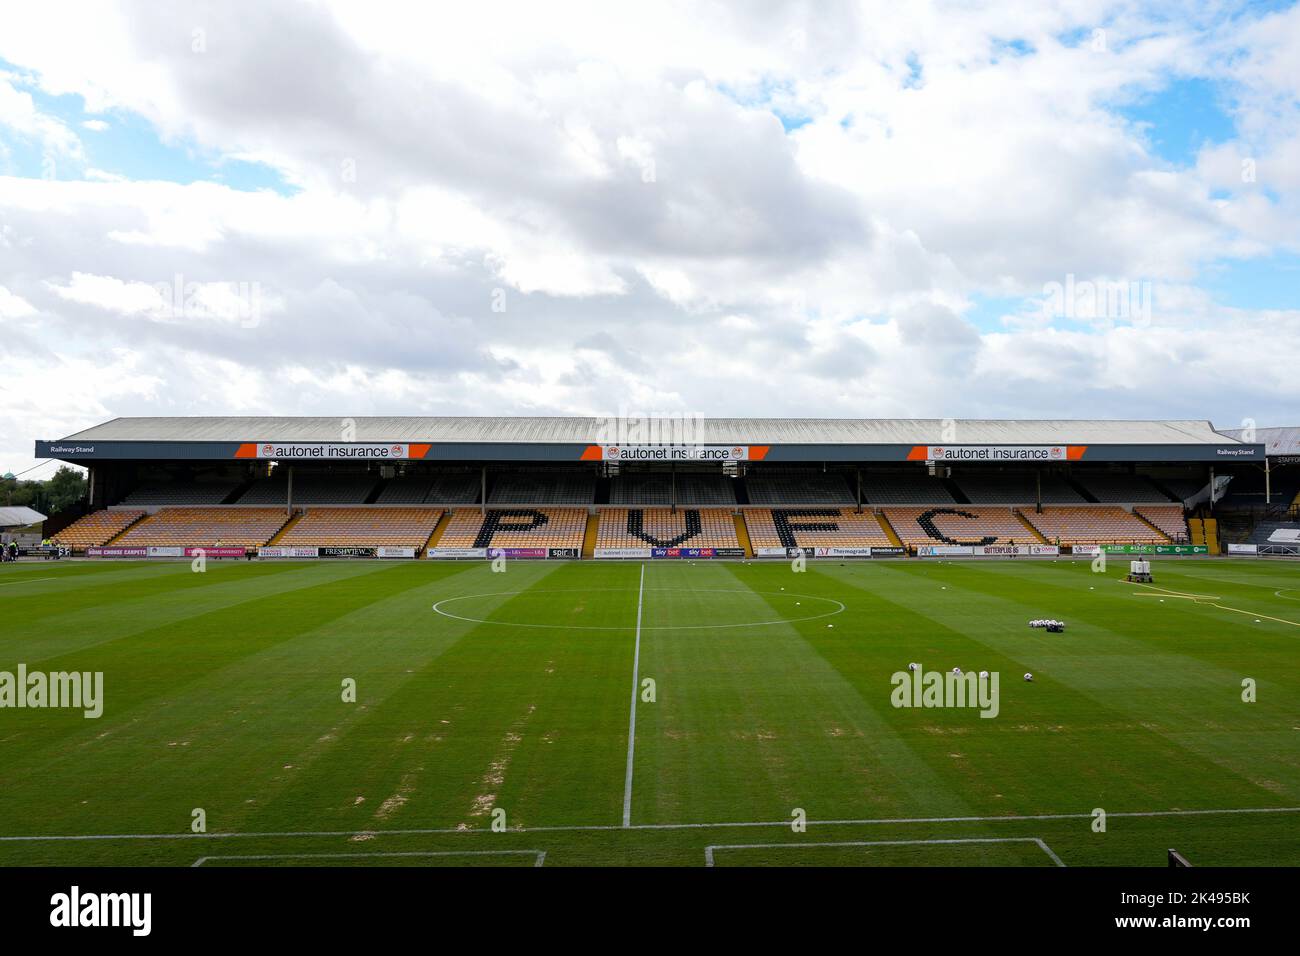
578, 828
1043, 846
631, 720
708, 850
539, 856
439, 609
28, 581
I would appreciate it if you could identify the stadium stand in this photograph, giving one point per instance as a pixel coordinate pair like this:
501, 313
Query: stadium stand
705, 490
363, 527
1247, 491
799, 490
1184, 488
548, 477
904, 490
96, 529
543, 488
182, 493
1016, 489
664, 528
404, 491
814, 528
311, 490
1121, 489
1168, 518
206, 527
659, 490
1276, 532
515, 528
1099, 524
958, 524
438, 490
454, 490
640, 490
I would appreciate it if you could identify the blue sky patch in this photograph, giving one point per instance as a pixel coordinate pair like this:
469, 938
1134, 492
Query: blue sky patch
775, 96
129, 147
1268, 282
1181, 118
986, 312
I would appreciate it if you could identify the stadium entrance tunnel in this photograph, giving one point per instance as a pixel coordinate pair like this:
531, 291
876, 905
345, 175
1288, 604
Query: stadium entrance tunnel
618, 609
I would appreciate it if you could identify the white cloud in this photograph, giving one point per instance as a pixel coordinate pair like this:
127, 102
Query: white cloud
13, 306
111, 294
568, 207
20, 115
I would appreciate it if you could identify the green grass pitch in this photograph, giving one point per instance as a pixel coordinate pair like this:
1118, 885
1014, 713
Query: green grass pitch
772, 693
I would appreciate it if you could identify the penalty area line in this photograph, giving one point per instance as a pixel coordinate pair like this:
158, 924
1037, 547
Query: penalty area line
539, 856
1037, 841
581, 828
1210, 600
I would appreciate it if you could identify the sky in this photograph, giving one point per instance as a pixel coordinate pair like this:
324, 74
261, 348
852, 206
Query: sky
951, 210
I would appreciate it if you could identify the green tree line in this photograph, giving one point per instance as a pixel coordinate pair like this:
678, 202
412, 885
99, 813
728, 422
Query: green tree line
61, 490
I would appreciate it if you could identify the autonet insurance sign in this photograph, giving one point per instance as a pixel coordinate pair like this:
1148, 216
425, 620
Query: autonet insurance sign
998, 452
675, 452
316, 451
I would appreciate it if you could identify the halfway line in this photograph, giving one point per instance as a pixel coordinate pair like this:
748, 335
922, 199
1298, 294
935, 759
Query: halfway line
631, 720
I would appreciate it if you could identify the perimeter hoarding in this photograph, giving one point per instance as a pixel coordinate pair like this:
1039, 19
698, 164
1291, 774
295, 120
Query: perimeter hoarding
621, 553
1155, 548
1015, 551
987, 551
165, 552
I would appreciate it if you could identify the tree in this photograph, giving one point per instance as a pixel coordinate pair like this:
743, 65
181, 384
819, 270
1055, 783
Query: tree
64, 489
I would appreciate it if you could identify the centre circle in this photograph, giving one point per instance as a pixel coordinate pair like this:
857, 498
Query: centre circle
836, 607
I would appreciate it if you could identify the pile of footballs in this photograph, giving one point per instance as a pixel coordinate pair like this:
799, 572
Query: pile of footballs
1055, 627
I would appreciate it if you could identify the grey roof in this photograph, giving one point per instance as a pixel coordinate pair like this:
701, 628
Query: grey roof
721, 431
1276, 441
17, 517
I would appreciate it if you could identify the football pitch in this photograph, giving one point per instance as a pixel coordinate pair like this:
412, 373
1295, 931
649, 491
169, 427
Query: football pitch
657, 713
